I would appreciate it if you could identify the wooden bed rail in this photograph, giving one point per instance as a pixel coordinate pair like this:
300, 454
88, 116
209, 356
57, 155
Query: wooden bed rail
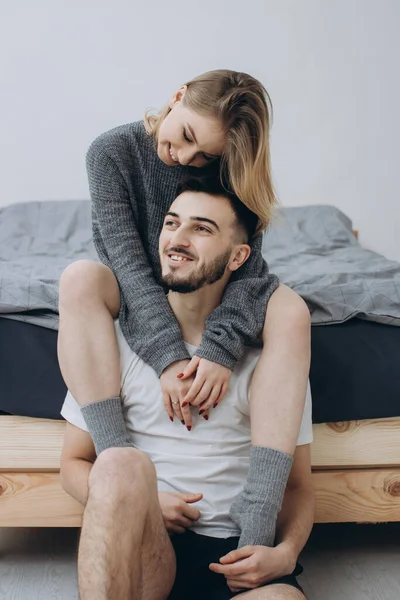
356, 473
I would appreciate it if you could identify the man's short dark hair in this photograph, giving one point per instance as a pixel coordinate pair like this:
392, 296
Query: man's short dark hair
247, 221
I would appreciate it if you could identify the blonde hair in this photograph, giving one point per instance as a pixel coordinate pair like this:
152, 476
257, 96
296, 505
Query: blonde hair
243, 106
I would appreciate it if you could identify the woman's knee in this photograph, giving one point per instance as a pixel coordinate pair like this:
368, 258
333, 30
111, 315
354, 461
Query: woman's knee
121, 472
287, 309
88, 282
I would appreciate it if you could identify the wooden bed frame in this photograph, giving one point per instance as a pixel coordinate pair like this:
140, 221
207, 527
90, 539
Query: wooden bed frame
356, 471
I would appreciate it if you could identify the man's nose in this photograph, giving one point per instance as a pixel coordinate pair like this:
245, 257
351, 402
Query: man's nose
179, 238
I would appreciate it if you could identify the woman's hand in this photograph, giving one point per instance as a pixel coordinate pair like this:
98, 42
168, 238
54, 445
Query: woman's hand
178, 514
210, 384
252, 566
174, 390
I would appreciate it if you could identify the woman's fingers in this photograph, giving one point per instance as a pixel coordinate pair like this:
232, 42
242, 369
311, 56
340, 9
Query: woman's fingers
190, 368
222, 393
186, 414
168, 406
176, 407
203, 395
211, 400
196, 387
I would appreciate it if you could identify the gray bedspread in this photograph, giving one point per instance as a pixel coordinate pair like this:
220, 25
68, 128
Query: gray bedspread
311, 248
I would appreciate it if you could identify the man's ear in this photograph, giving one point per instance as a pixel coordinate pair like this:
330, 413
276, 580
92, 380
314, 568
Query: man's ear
177, 97
242, 253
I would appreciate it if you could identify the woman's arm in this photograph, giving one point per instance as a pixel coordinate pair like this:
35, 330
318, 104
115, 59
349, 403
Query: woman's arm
155, 333
240, 317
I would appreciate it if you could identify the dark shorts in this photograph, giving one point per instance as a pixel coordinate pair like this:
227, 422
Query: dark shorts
194, 579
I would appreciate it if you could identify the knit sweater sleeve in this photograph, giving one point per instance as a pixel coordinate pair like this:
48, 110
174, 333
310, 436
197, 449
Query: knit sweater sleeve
155, 333
239, 319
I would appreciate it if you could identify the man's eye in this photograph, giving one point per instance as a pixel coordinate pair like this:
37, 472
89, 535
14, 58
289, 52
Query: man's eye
169, 223
185, 136
201, 228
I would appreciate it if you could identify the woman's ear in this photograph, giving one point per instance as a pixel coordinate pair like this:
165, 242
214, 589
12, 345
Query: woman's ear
242, 253
177, 97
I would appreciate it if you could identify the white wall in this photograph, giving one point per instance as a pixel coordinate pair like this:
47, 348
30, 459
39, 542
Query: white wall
72, 69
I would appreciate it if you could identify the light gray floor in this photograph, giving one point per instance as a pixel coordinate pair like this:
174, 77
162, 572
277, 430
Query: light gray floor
341, 562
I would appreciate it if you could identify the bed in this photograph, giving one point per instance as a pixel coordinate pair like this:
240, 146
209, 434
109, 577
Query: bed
354, 371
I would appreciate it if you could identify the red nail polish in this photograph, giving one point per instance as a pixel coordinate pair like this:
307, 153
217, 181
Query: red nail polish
183, 422
184, 404
205, 417
215, 405
201, 411
171, 419
189, 427
180, 375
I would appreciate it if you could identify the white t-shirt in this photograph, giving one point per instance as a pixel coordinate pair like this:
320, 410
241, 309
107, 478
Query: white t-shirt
213, 458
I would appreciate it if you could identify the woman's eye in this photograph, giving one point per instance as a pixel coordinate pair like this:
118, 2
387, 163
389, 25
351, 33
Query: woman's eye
185, 136
207, 158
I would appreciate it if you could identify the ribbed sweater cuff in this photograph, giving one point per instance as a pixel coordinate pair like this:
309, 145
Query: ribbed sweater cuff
211, 350
160, 357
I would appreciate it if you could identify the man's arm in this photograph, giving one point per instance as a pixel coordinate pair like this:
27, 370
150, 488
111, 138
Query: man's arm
296, 518
77, 458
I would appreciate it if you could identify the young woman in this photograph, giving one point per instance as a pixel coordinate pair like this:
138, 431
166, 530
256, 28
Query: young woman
219, 120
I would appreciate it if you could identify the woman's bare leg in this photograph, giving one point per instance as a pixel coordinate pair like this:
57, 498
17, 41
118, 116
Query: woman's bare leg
88, 350
125, 551
279, 385
277, 396
87, 345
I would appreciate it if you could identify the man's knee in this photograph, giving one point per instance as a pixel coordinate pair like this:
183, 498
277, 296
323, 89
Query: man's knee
277, 591
121, 473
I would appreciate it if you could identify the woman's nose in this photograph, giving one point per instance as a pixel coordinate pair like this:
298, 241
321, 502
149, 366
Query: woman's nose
186, 155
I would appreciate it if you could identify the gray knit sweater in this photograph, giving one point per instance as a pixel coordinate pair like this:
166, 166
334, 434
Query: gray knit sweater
131, 190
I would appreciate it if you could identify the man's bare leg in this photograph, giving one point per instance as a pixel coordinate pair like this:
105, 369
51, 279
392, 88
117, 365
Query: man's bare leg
125, 552
278, 591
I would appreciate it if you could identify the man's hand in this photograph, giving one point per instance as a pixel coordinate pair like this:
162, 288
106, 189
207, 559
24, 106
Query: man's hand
177, 513
251, 566
174, 390
210, 385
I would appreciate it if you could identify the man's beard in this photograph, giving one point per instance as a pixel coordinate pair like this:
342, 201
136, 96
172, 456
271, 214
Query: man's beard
206, 275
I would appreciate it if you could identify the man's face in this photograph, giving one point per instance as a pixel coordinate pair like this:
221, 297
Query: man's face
196, 242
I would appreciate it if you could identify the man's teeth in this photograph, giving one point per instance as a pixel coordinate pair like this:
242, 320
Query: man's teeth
174, 257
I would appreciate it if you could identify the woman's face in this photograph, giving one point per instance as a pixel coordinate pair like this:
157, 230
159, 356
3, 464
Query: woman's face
188, 138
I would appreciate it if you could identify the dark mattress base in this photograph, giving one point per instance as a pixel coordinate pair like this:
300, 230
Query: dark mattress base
354, 371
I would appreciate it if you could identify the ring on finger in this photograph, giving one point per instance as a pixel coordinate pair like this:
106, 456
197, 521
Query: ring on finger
175, 403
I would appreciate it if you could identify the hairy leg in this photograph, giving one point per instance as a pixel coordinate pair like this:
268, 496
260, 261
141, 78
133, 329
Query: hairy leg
125, 551
276, 591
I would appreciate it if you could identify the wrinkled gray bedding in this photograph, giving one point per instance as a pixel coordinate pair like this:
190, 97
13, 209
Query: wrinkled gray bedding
311, 248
